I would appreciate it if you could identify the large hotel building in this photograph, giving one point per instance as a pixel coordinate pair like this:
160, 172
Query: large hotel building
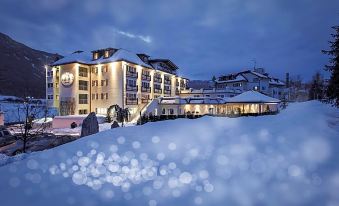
93, 81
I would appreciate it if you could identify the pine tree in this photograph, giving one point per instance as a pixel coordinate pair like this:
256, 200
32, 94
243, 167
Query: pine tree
332, 90
317, 87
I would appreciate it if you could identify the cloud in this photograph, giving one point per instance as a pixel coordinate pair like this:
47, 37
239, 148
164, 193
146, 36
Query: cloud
146, 39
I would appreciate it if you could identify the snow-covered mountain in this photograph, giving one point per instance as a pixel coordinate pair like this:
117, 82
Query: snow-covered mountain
22, 71
285, 159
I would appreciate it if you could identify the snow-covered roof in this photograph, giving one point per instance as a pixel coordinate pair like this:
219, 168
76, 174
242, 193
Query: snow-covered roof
259, 75
79, 57
86, 58
173, 100
238, 78
276, 82
204, 100
252, 97
211, 91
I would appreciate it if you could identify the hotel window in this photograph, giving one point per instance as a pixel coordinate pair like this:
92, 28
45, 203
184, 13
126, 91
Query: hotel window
104, 82
50, 85
131, 82
83, 99
106, 54
95, 55
82, 111
101, 110
93, 96
103, 69
57, 85
131, 96
145, 72
57, 97
145, 84
95, 70
83, 85
102, 95
171, 111
96, 96
131, 69
83, 72
106, 95
93, 83
50, 96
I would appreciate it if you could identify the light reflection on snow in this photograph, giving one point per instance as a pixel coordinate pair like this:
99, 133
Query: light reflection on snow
236, 165
123, 170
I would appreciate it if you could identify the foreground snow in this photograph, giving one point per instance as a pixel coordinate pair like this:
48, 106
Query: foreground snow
287, 159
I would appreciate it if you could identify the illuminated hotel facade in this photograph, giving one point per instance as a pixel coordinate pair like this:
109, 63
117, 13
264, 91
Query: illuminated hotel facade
87, 82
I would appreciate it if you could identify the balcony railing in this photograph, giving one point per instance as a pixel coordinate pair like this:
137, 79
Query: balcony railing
131, 101
132, 74
83, 101
145, 100
167, 81
146, 77
157, 79
146, 89
167, 91
131, 88
158, 91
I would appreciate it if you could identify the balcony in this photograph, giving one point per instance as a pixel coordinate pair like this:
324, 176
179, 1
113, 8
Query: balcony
146, 89
145, 100
132, 75
158, 79
131, 101
167, 81
133, 88
167, 91
146, 77
158, 91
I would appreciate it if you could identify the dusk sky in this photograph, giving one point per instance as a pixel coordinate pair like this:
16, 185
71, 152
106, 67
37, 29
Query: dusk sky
204, 38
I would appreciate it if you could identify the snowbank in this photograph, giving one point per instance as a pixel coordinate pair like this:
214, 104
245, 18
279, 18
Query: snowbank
286, 159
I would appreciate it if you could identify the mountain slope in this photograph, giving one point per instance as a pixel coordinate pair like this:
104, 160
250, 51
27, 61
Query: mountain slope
22, 71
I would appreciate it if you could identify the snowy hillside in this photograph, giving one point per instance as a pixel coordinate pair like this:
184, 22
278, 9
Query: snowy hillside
287, 159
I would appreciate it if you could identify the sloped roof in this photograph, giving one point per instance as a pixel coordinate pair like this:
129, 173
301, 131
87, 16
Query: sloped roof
86, 58
204, 100
276, 82
173, 100
238, 78
76, 57
252, 97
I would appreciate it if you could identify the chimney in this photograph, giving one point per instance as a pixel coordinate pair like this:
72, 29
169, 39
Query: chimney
287, 80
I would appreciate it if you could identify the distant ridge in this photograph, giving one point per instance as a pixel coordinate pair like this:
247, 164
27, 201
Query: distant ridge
22, 71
